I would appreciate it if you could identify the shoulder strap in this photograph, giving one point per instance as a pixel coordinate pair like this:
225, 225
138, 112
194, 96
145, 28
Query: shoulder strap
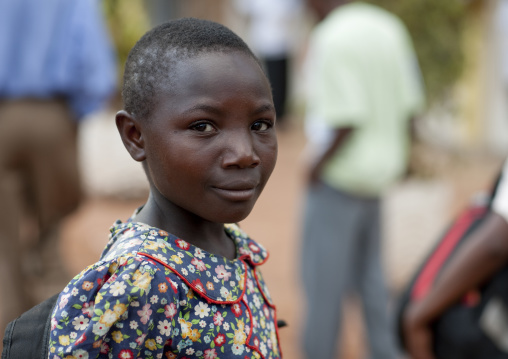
28, 335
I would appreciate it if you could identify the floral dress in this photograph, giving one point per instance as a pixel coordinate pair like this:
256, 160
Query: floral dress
153, 295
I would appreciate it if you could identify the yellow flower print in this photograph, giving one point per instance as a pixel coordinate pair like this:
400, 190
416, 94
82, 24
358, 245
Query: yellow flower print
273, 337
108, 318
176, 259
186, 327
241, 282
70, 357
97, 344
195, 335
262, 321
153, 245
119, 309
117, 336
209, 286
142, 281
98, 297
64, 340
113, 267
239, 337
123, 259
87, 285
241, 325
150, 344
190, 294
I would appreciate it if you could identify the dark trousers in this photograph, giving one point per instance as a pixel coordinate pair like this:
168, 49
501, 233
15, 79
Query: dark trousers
277, 71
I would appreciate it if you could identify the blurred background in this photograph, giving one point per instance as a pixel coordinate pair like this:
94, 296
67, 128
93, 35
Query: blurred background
462, 140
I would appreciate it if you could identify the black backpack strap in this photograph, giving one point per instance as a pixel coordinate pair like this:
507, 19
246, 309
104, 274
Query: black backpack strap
28, 335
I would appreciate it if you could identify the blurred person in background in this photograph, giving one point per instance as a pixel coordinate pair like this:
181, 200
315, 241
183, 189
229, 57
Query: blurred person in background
363, 89
272, 39
483, 255
57, 66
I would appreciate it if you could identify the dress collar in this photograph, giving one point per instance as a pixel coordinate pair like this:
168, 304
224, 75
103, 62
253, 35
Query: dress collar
216, 278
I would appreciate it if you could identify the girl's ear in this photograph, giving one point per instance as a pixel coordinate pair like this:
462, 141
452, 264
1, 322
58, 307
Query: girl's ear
130, 132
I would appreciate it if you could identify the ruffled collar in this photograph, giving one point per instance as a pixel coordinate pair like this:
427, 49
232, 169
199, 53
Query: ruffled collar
216, 278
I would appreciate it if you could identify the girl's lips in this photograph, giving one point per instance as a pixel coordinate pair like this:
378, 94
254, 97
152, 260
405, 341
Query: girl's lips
231, 194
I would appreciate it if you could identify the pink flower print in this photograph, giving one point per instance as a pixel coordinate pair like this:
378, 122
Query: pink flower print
145, 313
180, 243
199, 264
141, 339
250, 285
170, 310
266, 311
64, 299
104, 348
222, 272
237, 309
54, 323
88, 308
210, 354
218, 319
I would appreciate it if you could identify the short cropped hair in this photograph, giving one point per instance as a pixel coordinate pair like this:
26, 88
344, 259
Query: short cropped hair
151, 60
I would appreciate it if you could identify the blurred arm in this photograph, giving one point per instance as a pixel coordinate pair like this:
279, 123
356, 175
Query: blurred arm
340, 136
477, 261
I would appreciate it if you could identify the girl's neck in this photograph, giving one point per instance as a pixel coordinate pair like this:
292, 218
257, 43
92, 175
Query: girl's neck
209, 236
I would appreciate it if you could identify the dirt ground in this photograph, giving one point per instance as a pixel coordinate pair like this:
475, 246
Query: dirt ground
275, 223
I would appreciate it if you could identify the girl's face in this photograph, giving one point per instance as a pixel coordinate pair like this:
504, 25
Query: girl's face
210, 143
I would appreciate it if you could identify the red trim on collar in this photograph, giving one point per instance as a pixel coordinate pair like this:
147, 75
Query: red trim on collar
196, 290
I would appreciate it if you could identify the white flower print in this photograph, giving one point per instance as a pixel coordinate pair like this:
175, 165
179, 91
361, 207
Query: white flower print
202, 310
189, 351
80, 323
74, 291
226, 326
133, 324
154, 299
164, 327
99, 328
80, 354
202, 323
237, 349
118, 288
256, 300
198, 253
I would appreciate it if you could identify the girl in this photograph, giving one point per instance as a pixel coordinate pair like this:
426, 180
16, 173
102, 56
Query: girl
176, 280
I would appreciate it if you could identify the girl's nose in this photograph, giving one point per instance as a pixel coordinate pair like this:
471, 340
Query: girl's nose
240, 152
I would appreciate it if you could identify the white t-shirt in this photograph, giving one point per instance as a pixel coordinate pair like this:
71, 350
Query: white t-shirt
500, 202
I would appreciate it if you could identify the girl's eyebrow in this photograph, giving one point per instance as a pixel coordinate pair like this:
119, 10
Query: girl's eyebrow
203, 108
264, 108
212, 109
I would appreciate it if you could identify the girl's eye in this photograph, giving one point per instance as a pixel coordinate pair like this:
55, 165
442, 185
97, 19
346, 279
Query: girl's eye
261, 126
202, 127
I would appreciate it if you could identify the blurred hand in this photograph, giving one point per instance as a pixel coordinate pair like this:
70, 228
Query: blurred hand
417, 334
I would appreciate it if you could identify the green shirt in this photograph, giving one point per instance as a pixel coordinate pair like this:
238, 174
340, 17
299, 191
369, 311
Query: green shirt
364, 75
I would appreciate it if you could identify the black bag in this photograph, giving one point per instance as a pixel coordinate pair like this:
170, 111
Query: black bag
477, 326
28, 335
